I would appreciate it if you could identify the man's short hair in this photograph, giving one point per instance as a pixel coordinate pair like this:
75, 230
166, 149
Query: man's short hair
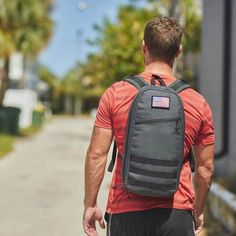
162, 37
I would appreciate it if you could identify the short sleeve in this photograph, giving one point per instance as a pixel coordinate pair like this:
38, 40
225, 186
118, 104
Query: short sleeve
206, 135
104, 112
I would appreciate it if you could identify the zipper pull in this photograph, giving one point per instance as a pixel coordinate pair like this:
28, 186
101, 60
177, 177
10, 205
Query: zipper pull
177, 126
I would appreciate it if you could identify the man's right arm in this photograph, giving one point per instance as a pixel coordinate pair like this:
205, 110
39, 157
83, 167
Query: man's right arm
204, 155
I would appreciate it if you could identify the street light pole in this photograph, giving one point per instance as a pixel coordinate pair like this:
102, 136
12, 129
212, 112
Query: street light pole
82, 5
77, 102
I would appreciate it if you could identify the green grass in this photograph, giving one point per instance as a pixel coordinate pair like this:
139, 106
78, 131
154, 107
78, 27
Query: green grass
6, 144
29, 130
7, 141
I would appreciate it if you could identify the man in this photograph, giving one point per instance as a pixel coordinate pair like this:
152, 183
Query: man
128, 214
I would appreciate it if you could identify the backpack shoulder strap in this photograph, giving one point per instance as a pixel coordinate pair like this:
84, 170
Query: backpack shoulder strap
113, 159
179, 85
137, 81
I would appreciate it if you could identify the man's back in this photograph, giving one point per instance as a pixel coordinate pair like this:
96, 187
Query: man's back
113, 113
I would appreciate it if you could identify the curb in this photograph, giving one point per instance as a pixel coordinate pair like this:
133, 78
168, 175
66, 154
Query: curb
222, 205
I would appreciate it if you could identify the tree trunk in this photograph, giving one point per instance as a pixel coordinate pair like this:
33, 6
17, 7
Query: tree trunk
4, 80
78, 105
177, 11
172, 10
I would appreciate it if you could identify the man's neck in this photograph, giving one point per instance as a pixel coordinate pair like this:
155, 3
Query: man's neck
159, 68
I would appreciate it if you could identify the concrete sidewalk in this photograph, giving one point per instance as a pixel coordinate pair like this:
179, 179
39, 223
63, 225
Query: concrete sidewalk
41, 182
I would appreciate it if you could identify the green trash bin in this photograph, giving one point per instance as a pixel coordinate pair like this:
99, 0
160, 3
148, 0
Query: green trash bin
37, 118
9, 120
13, 116
3, 120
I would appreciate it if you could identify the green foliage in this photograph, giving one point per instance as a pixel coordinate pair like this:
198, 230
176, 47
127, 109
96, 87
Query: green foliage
59, 88
26, 132
192, 26
120, 42
55, 92
25, 26
50, 78
120, 46
71, 83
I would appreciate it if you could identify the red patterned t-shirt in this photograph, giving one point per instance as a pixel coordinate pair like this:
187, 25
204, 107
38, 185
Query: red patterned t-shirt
113, 114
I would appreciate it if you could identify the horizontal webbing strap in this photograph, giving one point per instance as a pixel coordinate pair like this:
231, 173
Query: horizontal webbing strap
151, 161
150, 173
161, 187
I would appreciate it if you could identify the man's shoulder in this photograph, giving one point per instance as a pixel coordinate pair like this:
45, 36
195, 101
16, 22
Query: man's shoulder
194, 101
194, 95
118, 87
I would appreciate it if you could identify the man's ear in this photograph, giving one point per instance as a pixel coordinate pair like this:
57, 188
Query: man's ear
179, 50
144, 48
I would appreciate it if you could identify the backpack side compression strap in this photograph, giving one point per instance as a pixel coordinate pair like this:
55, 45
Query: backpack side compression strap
138, 83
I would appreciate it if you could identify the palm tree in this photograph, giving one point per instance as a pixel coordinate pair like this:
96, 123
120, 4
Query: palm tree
25, 26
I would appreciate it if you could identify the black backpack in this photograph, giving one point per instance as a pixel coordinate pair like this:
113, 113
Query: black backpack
154, 145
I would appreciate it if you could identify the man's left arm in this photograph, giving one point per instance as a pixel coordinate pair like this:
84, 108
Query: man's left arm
204, 155
94, 172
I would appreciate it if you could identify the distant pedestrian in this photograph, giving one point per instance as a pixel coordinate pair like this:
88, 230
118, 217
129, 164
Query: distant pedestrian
129, 213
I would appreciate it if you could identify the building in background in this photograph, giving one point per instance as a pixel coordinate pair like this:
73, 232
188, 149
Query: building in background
217, 81
23, 91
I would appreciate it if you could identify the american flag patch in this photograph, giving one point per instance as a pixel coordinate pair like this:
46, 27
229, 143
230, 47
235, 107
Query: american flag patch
160, 102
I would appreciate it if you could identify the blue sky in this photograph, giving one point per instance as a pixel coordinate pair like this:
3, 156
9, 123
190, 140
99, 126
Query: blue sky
72, 28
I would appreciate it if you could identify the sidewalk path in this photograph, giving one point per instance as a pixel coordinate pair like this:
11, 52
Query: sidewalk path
41, 182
